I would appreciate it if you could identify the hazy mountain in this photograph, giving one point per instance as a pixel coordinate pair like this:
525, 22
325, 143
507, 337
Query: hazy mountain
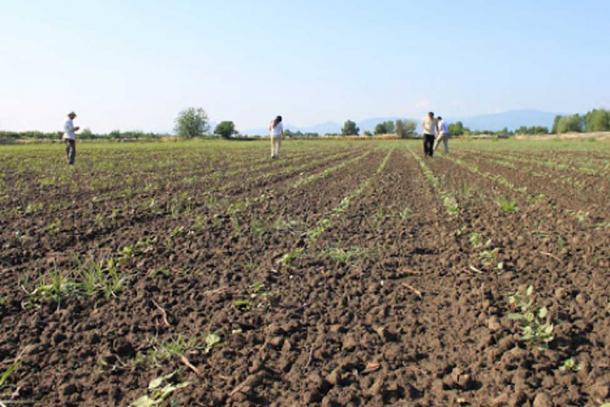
494, 121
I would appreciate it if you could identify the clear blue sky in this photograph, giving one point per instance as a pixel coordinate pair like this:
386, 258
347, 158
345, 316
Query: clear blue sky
133, 64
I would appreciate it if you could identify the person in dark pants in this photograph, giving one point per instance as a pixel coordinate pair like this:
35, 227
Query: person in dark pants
70, 138
429, 129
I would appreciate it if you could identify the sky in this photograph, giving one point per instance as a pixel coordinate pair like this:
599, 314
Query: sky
134, 64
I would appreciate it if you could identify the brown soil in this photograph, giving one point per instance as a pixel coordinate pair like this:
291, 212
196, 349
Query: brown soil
413, 316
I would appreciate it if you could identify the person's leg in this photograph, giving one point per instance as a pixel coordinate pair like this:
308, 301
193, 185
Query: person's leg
72, 151
430, 141
272, 147
67, 142
446, 143
278, 144
425, 145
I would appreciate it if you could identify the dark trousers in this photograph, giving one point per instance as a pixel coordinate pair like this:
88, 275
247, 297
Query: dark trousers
428, 144
70, 151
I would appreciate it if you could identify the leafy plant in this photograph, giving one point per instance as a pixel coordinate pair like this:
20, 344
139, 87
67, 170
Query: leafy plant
53, 289
536, 328
506, 205
159, 390
211, 340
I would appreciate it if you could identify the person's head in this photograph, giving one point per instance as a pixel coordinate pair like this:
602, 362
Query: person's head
71, 115
277, 121
431, 115
439, 118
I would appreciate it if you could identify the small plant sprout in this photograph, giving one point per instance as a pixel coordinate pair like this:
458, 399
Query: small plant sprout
211, 340
569, 364
287, 259
536, 328
53, 289
159, 390
242, 305
343, 256
506, 205
405, 214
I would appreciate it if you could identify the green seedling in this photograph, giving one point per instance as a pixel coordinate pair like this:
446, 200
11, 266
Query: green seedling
344, 256
405, 214
54, 227
9, 371
33, 207
53, 289
3, 300
316, 232
242, 305
570, 364
211, 340
536, 328
287, 259
159, 390
451, 205
506, 205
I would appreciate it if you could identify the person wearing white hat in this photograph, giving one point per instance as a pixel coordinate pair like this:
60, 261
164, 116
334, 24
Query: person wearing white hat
69, 138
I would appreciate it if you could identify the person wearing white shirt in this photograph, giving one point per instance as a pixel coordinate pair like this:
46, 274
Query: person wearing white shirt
69, 138
429, 128
276, 132
443, 135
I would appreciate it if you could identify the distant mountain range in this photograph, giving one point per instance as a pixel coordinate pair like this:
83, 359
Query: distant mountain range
494, 121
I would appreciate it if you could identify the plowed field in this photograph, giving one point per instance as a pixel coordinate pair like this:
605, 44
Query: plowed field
344, 274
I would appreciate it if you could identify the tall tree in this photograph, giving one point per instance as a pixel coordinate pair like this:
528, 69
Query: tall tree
350, 129
597, 120
405, 128
381, 129
192, 122
225, 129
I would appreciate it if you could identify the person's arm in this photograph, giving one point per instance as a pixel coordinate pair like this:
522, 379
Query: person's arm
76, 129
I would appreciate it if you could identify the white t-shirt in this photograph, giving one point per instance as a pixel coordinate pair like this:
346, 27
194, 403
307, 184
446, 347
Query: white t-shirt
277, 130
429, 126
442, 128
69, 130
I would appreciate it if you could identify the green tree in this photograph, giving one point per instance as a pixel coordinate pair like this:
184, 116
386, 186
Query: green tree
597, 120
381, 129
350, 129
457, 129
568, 123
390, 127
405, 128
192, 122
225, 129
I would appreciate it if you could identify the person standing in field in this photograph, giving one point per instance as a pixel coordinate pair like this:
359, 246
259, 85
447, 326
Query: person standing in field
69, 138
276, 132
443, 135
429, 127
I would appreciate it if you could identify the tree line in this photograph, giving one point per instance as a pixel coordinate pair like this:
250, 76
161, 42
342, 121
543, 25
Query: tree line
194, 122
593, 121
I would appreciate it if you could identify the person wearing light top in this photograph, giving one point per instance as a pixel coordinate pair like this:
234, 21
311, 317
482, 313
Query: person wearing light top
70, 138
429, 128
276, 132
443, 135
